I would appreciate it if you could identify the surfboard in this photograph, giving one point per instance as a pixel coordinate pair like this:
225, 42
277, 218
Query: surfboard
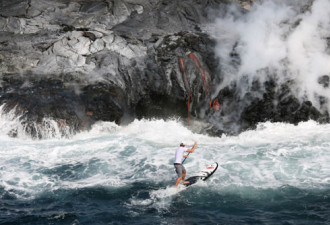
203, 174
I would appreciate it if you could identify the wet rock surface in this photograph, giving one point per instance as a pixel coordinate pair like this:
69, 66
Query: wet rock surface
69, 105
78, 62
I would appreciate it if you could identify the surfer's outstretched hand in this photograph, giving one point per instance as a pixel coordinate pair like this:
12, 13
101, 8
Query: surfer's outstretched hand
193, 148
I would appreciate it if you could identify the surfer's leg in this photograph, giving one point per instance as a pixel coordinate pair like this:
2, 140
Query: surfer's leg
183, 176
177, 181
178, 170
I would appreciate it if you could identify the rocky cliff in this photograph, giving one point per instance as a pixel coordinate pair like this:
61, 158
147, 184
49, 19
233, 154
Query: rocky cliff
82, 61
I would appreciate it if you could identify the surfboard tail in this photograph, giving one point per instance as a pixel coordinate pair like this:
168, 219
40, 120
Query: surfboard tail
203, 174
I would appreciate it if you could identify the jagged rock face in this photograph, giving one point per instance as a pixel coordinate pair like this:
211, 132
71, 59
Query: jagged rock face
63, 36
82, 61
72, 106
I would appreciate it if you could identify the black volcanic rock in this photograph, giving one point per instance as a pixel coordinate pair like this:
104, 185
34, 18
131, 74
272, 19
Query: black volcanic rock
78, 62
69, 104
324, 80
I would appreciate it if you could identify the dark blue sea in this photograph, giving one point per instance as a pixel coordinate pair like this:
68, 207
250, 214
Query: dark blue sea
275, 174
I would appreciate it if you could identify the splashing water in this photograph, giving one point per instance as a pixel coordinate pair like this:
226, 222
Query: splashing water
126, 175
11, 124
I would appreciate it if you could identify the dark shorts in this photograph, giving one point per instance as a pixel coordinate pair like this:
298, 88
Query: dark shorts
179, 168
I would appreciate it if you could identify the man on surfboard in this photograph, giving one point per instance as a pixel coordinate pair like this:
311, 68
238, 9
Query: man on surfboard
179, 168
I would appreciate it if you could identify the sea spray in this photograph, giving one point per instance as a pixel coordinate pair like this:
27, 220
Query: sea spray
13, 125
131, 168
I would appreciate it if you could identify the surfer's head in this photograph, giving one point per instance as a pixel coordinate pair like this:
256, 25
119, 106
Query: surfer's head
182, 145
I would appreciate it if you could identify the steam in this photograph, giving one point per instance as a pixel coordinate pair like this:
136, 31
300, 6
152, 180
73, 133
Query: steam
283, 39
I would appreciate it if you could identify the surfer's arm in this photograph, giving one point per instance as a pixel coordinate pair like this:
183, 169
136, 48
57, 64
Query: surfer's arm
192, 149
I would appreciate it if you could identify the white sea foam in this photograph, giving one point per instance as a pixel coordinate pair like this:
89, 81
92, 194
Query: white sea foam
272, 156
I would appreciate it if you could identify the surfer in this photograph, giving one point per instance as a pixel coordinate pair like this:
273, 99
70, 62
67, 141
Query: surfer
179, 168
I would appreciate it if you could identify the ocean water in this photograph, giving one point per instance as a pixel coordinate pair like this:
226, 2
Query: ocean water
276, 174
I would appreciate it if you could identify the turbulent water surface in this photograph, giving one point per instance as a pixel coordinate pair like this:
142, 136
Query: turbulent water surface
273, 66
276, 174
